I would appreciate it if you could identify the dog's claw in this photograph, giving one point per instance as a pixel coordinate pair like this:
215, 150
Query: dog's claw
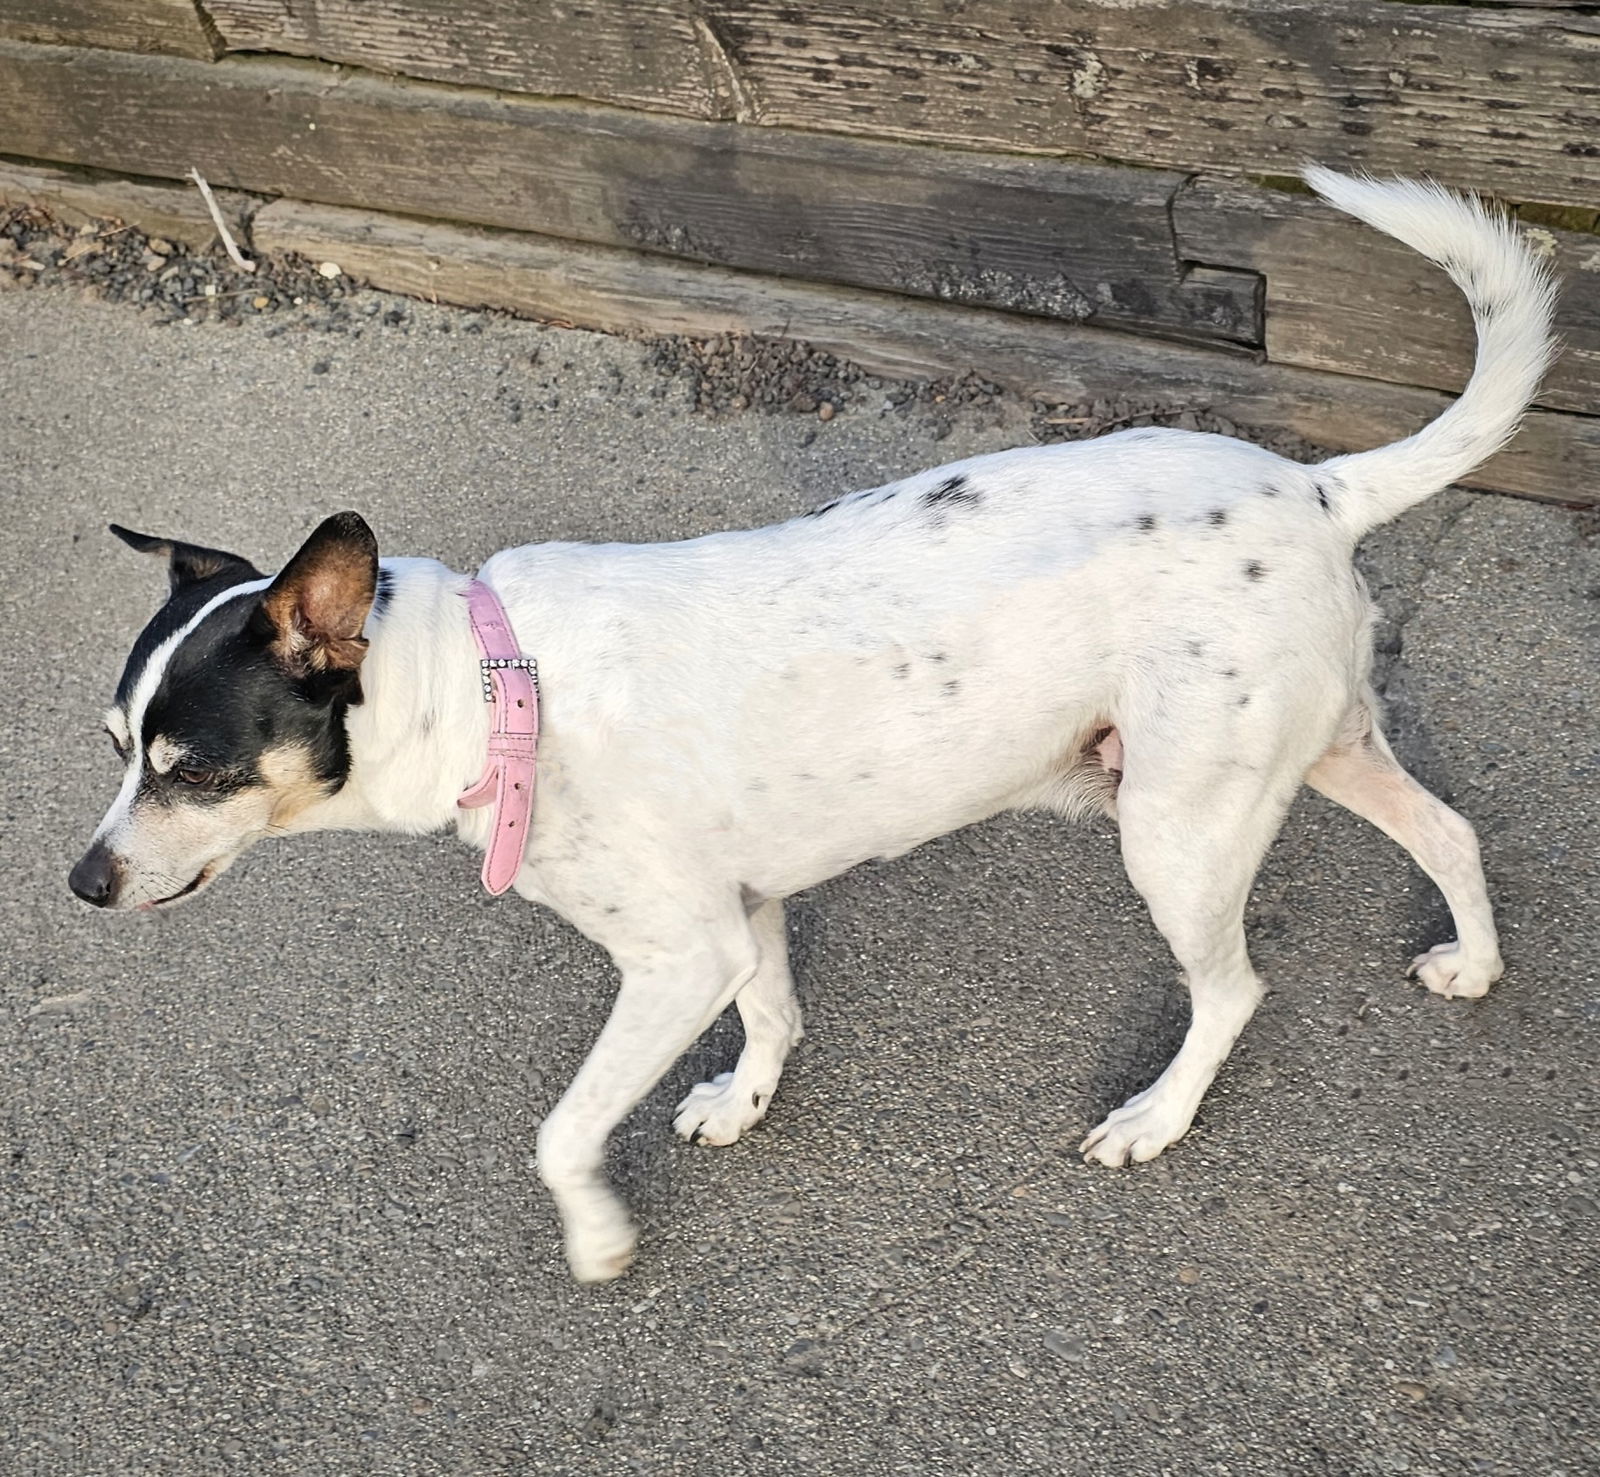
719, 1112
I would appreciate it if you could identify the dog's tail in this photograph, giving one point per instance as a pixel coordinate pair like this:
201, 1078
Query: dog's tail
1512, 298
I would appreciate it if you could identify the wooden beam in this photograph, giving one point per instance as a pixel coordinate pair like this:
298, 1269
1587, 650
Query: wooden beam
175, 212
1554, 456
653, 54
1055, 238
176, 27
1342, 297
1487, 98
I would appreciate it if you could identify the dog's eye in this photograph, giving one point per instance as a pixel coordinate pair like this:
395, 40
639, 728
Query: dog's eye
118, 745
196, 776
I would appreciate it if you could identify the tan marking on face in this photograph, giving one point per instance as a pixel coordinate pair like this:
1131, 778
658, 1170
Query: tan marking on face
163, 754
291, 784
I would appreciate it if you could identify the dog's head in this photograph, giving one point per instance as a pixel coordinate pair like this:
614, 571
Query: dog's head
229, 717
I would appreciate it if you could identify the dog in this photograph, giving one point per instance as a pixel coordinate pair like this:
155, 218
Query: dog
1161, 625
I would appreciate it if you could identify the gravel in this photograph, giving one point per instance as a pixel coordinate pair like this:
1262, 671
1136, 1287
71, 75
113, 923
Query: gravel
269, 1204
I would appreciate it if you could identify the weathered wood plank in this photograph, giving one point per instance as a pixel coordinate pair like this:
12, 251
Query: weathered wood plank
1492, 99
1059, 239
1554, 456
652, 54
177, 27
1342, 297
175, 212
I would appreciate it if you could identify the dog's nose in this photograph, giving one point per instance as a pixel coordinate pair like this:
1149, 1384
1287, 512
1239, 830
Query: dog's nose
94, 879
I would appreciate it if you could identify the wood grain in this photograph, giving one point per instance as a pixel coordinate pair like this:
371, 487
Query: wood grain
1342, 297
1507, 100
651, 54
175, 212
1059, 239
177, 27
1554, 456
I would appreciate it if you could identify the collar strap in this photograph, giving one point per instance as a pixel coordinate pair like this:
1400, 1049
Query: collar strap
511, 685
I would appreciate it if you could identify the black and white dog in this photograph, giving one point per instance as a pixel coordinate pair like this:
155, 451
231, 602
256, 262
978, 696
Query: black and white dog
1158, 624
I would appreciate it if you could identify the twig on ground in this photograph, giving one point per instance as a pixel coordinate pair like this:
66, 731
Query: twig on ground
229, 244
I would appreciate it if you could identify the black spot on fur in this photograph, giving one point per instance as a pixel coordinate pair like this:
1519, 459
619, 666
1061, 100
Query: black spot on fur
1196, 648
901, 669
384, 592
952, 490
825, 508
1146, 523
939, 656
1217, 517
1255, 570
950, 494
1322, 497
1231, 673
951, 688
1242, 701
1269, 489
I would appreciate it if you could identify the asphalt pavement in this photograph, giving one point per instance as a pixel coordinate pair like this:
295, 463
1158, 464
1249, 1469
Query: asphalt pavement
269, 1202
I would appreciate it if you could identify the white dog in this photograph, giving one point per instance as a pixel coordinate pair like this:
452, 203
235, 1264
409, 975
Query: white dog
1160, 624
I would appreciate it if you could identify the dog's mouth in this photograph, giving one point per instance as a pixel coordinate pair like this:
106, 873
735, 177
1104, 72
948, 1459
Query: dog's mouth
205, 874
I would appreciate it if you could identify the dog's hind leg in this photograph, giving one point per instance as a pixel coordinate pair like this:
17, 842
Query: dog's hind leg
1192, 842
719, 1111
1361, 773
671, 991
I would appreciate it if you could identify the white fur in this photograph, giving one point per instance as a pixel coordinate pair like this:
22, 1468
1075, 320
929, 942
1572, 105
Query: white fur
729, 720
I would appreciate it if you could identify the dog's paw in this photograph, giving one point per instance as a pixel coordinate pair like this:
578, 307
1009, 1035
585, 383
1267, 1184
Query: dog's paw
602, 1253
1139, 1130
719, 1111
1446, 971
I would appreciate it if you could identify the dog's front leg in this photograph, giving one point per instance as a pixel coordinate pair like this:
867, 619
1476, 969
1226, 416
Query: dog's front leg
670, 993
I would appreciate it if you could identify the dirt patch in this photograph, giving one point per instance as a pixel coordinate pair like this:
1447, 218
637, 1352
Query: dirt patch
733, 373
121, 264
725, 375
736, 372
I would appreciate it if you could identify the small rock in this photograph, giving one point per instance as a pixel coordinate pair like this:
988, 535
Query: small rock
1063, 1346
260, 302
1188, 1275
1412, 1390
329, 269
825, 411
61, 1004
159, 247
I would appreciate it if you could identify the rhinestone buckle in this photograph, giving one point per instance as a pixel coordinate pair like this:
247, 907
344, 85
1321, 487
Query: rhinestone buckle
489, 663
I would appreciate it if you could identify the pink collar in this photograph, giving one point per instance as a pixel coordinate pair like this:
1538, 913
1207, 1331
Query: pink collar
511, 683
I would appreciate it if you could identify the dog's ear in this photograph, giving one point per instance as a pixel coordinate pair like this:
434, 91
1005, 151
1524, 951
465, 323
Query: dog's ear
316, 607
187, 564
